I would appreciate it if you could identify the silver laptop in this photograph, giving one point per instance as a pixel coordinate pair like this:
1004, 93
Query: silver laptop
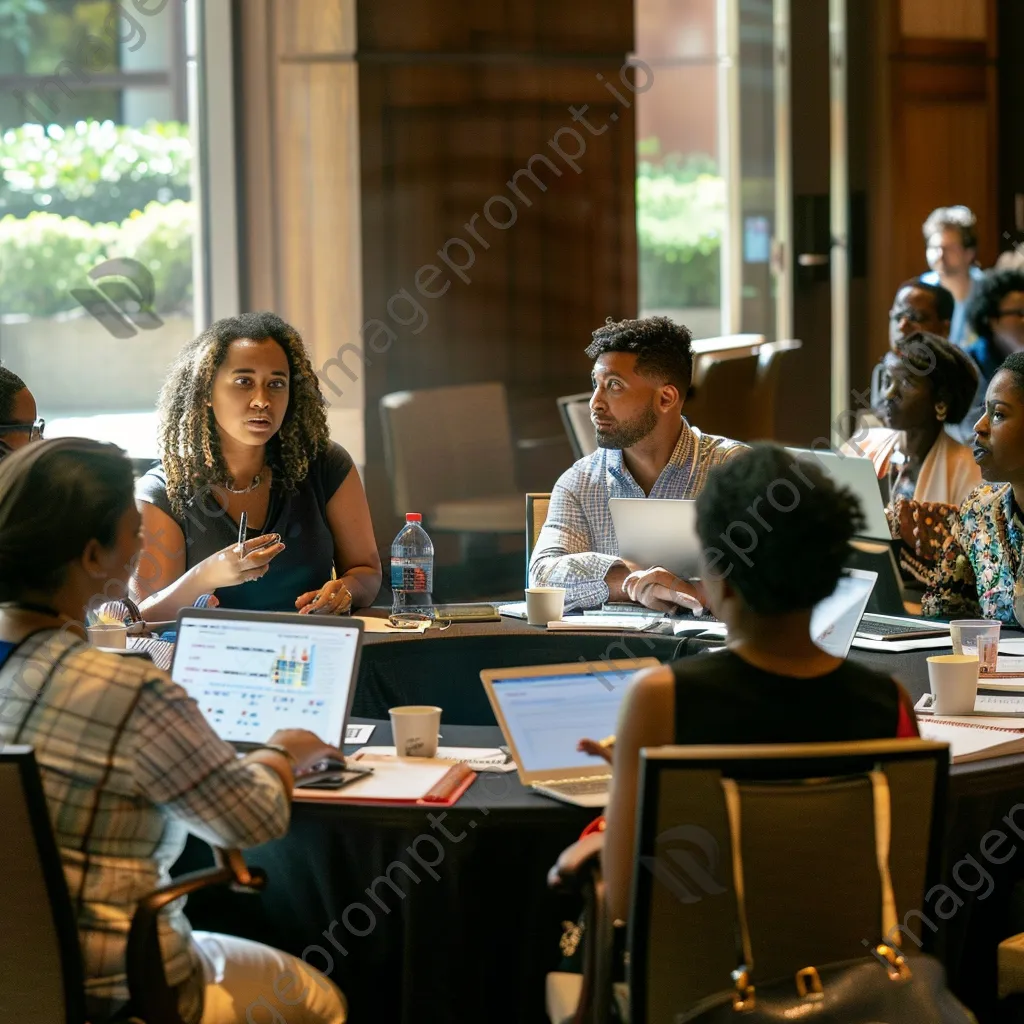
836, 619
545, 710
252, 673
858, 474
658, 531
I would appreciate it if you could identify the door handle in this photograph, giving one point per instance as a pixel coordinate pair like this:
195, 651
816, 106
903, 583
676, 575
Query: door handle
812, 259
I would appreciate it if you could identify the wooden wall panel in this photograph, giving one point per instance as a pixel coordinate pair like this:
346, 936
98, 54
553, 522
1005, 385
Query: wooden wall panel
374, 131
943, 19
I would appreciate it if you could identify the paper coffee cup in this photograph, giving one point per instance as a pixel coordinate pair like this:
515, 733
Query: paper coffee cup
108, 634
415, 728
954, 683
544, 604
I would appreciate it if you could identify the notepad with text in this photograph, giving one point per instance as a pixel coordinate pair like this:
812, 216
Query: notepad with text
974, 740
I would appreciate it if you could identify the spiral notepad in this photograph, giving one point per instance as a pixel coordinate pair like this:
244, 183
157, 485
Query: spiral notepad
971, 740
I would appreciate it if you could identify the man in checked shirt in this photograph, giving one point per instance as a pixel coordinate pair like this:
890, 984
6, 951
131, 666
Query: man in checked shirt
646, 449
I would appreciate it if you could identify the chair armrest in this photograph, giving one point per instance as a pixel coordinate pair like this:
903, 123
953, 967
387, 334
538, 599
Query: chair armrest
151, 996
576, 864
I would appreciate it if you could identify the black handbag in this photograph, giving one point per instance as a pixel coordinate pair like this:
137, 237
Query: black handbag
883, 987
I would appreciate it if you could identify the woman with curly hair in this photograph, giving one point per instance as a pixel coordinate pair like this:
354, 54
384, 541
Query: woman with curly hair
243, 431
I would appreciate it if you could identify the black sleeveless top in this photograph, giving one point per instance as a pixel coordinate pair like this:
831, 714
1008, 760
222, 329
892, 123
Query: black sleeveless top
720, 698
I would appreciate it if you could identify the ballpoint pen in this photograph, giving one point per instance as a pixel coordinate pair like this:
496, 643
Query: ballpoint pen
242, 523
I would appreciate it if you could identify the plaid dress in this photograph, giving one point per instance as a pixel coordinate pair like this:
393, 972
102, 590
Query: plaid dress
130, 766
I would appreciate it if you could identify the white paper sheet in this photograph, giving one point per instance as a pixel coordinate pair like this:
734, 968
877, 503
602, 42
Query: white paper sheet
371, 624
478, 758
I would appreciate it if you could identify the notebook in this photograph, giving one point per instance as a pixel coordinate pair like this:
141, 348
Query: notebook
545, 710
400, 780
252, 673
972, 740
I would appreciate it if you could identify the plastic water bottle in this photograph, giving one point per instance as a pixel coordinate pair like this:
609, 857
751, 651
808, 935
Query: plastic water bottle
412, 568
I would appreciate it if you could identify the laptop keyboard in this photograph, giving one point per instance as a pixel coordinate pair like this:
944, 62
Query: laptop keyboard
897, 628
580, 787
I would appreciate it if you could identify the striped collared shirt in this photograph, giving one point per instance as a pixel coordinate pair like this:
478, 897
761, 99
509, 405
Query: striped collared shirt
577, 545
130, 766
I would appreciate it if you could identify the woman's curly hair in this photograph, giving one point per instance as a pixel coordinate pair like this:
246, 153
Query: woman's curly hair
189, 443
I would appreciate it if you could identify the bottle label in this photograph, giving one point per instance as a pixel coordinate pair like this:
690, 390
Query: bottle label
411, 577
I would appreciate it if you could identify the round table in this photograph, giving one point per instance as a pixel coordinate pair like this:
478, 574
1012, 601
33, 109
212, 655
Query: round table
472, 935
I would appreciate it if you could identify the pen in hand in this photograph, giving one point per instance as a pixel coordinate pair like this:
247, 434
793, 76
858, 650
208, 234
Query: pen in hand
242, 524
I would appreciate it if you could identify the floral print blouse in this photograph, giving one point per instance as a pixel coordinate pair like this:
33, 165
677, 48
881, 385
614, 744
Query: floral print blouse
980, 562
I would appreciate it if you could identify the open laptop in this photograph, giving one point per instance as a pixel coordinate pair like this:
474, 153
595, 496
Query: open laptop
658, 531
545, 710
252, 673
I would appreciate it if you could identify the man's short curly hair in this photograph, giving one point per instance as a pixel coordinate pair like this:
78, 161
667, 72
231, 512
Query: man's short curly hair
959, 218
953, 374
662, 348
945, 304
988, 293
189, 442
10, 385
777, 527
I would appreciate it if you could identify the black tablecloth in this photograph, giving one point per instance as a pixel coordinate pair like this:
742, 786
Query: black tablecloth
475, 942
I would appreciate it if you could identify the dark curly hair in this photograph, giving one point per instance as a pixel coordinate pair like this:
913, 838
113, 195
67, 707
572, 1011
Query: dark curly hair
988, 293
189, 443
781, 525
662, 348
10, 385
959, 218
953, 373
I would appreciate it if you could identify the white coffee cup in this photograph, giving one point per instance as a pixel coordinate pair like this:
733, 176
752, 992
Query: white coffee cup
544, 604
954, 683
108, 634
415, 728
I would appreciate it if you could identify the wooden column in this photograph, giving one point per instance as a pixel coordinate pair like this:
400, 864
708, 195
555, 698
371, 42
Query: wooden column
937, 135
440, 193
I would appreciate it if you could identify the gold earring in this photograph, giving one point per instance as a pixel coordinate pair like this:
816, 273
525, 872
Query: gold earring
940, 412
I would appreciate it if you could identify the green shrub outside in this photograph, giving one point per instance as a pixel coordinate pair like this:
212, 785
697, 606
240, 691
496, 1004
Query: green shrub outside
96, 170
43, 256
681, 213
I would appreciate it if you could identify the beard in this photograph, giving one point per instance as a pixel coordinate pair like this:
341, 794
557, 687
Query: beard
627, 433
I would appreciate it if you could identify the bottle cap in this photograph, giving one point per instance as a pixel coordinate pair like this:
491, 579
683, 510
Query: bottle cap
413, 517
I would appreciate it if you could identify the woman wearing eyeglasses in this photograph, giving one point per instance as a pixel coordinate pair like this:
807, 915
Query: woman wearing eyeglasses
996, 316
18, 422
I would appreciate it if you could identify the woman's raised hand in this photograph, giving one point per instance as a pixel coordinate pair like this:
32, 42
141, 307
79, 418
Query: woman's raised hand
240, 563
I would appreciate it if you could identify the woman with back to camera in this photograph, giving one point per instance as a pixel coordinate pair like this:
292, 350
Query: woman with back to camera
129, 764
243, 430
19, 422
980, 571
773, 684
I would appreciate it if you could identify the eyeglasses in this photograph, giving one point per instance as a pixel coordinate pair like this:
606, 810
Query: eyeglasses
915, 316
1018, 313
35, 430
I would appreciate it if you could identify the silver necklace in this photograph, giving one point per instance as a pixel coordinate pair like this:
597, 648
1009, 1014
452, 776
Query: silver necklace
256, 481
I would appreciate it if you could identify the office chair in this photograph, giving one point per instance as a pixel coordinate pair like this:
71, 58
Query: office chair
537, 505
776, 814
41, 978
575, 413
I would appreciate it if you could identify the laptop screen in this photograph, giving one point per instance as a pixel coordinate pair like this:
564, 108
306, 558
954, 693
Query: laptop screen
251, 677
546, 716
834, 621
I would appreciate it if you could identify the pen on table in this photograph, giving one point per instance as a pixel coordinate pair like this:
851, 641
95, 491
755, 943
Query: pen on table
242, 523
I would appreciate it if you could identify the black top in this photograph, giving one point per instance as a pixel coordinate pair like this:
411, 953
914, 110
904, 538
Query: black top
300, 517
720, 698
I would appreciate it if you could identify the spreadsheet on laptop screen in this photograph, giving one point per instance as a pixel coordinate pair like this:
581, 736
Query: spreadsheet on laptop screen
546, 716
252, 678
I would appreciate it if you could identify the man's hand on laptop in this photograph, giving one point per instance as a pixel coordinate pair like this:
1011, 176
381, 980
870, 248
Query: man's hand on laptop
663, 591
306, 747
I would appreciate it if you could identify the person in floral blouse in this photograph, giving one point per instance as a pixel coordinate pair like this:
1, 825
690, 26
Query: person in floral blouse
979, 570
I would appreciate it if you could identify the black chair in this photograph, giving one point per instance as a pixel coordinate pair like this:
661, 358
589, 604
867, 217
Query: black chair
41, 979
801, 807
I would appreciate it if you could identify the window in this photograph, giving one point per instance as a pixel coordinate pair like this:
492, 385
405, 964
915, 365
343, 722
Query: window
97, 213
